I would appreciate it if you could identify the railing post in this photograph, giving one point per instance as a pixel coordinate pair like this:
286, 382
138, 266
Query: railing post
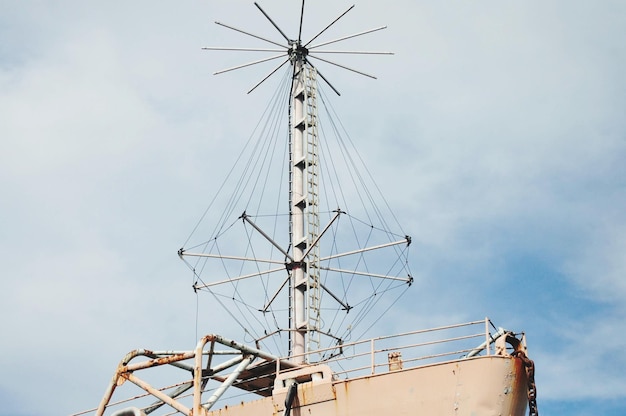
487, 343
373, 362
198, 410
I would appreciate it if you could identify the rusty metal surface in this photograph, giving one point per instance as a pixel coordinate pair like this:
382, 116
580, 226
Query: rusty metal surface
529, 366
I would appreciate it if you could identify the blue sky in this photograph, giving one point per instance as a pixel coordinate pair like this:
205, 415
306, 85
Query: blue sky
498, 133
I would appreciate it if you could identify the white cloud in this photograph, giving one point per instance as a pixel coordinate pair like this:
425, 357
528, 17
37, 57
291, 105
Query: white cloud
585, 359
600, 267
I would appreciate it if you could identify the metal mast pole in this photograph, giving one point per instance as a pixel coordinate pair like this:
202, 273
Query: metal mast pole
297, 206
304, 218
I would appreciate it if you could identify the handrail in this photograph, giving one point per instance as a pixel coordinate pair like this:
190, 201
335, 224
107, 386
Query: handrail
421, 347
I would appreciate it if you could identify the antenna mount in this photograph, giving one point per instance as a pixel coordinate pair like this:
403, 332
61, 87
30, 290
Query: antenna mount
297, 51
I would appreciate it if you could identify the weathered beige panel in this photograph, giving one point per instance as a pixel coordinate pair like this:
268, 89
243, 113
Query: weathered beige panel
482, 386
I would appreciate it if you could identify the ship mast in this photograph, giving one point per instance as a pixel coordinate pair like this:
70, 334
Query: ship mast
303, 204
304, 259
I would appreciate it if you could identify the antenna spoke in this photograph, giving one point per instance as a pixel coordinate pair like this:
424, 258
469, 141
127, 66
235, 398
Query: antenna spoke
234, 279
271, 21
251, 34
339, 301
319, 237
348, 37
324, 78
363, 250
358, 273
249, 64
344, 67
267, 76
224, 257
216, 48
331, 23
357, 52
247, 219
266, 307
301, 20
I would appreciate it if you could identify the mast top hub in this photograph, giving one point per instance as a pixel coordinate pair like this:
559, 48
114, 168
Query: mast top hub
297, 52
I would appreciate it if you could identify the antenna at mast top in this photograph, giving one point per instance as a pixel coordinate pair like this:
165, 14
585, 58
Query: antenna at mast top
297, 49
